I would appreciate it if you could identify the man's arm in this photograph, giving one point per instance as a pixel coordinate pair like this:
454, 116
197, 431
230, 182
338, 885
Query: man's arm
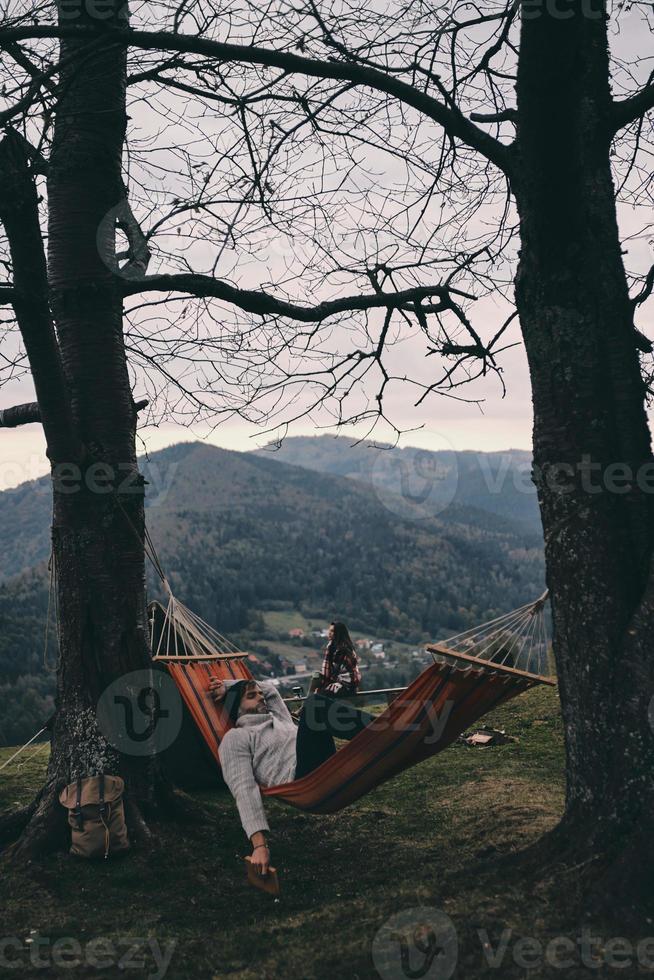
274, 702
236, 763
226, 682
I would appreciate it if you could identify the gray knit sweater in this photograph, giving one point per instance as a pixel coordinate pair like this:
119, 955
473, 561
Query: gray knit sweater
258, 751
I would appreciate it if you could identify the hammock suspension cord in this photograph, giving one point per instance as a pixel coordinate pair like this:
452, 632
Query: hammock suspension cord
517, 639
22, 749
473, 672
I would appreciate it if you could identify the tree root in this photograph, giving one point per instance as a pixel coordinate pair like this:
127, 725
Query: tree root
41, 827
611, 877
176, 805
15, 821
622, 894
137, 828
44, 831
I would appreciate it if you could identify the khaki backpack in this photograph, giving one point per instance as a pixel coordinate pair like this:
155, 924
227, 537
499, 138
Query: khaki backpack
96, 816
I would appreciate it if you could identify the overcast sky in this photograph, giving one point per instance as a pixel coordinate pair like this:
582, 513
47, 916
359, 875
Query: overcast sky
497, 423
444, 424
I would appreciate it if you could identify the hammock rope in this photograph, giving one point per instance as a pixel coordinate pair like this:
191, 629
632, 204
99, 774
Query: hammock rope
22, 749
185, 636
491, 665
517, 640
473, 672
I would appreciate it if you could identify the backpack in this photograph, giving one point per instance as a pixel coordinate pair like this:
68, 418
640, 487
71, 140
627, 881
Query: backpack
96, 816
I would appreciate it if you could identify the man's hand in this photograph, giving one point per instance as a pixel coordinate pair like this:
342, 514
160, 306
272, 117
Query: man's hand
217, 689
260, 859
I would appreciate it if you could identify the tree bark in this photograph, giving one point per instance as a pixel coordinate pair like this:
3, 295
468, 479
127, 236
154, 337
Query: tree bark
19, 214
98, 498
589, 413
11, 418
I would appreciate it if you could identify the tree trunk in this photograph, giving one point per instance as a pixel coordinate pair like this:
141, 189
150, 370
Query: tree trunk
98, 513
589, 414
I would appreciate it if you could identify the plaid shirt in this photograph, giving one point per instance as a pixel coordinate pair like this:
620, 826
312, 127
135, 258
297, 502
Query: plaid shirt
340, 670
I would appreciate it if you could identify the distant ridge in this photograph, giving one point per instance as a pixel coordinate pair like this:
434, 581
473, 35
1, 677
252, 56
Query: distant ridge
496, 482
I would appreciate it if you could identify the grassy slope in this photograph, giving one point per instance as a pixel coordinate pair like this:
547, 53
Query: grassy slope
440, 835
283, 620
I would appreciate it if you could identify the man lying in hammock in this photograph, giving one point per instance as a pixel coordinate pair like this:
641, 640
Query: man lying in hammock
265, 748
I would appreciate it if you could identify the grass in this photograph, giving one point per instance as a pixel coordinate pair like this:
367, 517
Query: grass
293, 653
285, 620
443, 835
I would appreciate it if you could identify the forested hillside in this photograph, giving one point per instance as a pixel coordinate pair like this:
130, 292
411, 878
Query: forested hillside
238, 533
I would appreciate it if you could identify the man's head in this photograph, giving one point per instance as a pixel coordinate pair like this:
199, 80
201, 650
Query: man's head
244, 698
252, 700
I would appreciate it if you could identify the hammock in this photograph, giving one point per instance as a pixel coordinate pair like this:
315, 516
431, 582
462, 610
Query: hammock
472, 673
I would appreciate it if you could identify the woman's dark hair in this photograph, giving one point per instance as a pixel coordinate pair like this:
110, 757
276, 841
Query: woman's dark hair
342, 637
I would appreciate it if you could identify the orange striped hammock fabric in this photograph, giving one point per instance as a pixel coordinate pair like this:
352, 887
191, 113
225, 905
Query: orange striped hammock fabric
445, 700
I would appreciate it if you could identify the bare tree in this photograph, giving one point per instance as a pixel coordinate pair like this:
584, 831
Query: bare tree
68, 312
416, 159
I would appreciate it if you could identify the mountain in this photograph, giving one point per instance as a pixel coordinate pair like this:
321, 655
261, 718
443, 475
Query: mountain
236, 529
239, 533
421, 482
25, 518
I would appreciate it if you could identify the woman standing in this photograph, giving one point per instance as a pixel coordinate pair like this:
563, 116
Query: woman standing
340, 675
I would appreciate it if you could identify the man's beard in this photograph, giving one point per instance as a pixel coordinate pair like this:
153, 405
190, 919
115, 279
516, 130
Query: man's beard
261, 709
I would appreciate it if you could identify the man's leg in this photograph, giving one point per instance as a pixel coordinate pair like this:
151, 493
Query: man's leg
314, 745
335, 715
322, 718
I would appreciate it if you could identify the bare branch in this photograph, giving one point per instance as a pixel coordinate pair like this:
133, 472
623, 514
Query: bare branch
19, 215
643, 343
138, 256
10, 418
629, 110
39, 164
36, 74
646, 291
38, 82
263, 304
507, 115
455, 124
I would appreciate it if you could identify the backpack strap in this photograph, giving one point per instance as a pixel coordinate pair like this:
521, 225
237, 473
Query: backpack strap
78, 804
105, 808
103, 805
